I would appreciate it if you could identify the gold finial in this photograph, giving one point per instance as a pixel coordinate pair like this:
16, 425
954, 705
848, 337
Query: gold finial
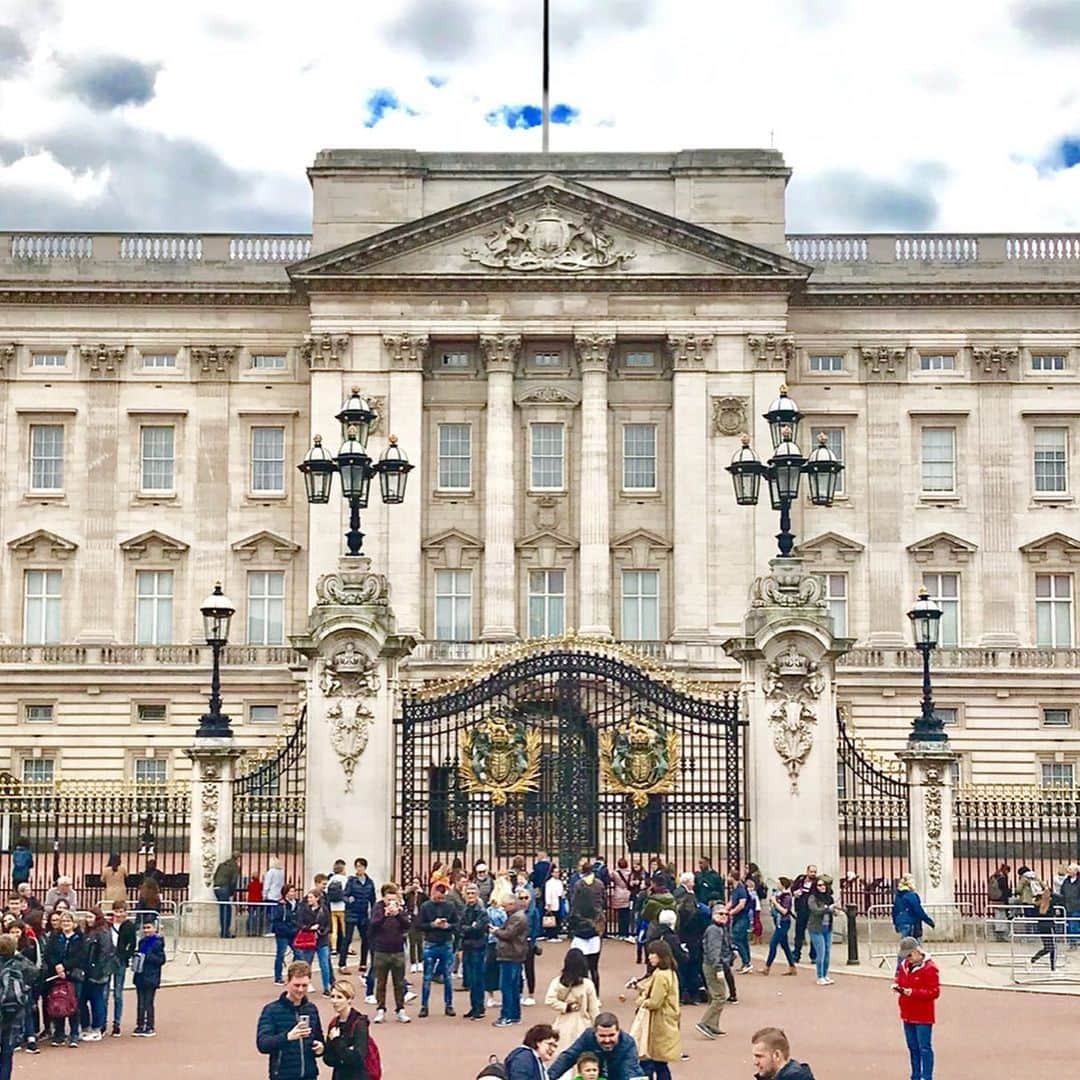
823, 439
317, 440
924, 593
783, 388
392, 440
744, 438
356, 390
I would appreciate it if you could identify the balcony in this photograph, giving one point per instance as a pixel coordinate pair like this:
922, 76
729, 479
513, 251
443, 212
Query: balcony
146, 656
965, 659
678, 654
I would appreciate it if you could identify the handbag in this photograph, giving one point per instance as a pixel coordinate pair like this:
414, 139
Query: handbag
305, 939
60, 1002
639, 1031
138, 962
549, 922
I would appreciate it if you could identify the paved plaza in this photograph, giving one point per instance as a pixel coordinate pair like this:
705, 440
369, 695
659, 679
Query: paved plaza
845, 1031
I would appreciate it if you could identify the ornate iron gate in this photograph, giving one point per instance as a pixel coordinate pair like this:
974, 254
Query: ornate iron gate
574, 751
269, 798
874, 821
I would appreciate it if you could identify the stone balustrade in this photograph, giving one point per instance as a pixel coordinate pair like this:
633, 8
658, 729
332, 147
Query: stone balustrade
147, 655
1020, 659
43, 247
941, 249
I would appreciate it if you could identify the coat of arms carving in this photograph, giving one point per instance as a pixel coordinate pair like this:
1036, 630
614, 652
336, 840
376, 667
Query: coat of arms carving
548, 242
501, 757
641, 760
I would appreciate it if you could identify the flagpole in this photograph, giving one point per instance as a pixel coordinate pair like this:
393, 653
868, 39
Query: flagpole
546, 77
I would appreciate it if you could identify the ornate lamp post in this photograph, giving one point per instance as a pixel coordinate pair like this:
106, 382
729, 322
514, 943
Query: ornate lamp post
217, 610
355, 467
785, 469
925, 619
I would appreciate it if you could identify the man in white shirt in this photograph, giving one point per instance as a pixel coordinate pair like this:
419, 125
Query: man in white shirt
335, 899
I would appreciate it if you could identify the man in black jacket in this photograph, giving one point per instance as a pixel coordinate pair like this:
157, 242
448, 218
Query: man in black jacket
438, 921
802, 888
772, 1057
123, 939
474, 934
290, 1031
615, 1049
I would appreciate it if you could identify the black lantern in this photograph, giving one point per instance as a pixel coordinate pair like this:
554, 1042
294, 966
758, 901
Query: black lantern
787, 462
783, 413
217, 610
355, 468
318, 469
746, 472
393, 470
356, 418
925, 619
823, 470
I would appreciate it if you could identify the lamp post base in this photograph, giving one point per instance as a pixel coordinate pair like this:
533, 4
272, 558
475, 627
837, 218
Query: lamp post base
213, 726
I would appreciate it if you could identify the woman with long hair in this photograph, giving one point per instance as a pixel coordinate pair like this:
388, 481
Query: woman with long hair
113, 878
347, 1035
149, 896
573, 997
98, 968
65, 955
656, 1022
581, 924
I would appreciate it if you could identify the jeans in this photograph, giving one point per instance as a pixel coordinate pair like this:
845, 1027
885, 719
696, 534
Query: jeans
472, 966
1073, 927
779, 938
821, 940
144, 1006
714, 981
740, 938
280, 945
510, 989
443, 957
622, 918
224, 911
392, 964
325, 970
95, 995
656, 1070
7, 1052
802, 916
117, 985
72, 1023
922, 1053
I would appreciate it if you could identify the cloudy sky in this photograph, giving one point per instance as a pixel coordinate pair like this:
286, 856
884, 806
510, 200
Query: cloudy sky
941, 115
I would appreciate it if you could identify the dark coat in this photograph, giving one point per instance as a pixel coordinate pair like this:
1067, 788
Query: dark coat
347, 1053
522, 1064
317, 919
793, 1070
620, 1064
431, 910
474, 927
71, 952
512, 940
125, 944
359, 899
283, 921
289, 1059
99, 955
388, 932
153, 950
908, 915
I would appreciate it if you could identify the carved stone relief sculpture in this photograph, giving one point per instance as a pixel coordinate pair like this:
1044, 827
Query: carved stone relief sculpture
793, 684
933, 794
211, 796
729, 415
350, 729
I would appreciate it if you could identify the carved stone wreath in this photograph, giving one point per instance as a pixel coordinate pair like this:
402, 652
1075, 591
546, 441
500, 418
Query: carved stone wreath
793, 683
729, 415
350, 729
769, 590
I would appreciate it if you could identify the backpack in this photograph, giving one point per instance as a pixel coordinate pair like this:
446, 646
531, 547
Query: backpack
335, 893
493, 1070
996, 892
13, 994
372, 1062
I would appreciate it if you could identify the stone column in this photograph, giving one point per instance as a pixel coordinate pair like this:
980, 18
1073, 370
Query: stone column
213, 765
788, 656
594, 571
500, 358
406, 404
353, 649
689, 441
929, 772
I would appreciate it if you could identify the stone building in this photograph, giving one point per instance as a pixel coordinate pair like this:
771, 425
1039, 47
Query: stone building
568, 347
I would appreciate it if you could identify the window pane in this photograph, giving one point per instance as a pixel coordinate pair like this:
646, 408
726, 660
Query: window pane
834, 440
1056, 717
455, 456
944, 590
46, 457
267, 459
38, 770
1051, 451
264, 714
937, 362
640, 358
268, 362
939, 459
157, 458
159, 360
453, 605
266, 607
547, 455
639, 456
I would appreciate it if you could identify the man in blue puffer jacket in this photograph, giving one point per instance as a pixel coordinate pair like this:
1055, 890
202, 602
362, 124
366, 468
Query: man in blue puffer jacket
908, 914
290, 1031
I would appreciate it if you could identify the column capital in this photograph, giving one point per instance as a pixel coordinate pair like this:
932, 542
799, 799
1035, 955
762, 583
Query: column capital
500, 351
323, 352
407, 351
771, 352
103, 361
688, 350
7, 356
594, 351
213, 360
883, 362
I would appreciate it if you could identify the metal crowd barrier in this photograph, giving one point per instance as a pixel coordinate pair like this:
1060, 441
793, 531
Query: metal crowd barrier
199, 928
953, 934
997, 932
1043, 951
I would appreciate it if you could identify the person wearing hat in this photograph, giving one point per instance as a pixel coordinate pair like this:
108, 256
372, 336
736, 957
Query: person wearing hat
917, 986
1028, 890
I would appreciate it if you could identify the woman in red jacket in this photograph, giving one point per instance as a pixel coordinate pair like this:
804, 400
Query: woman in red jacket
917, 987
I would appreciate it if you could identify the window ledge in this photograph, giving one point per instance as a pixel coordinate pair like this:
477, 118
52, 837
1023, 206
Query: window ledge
540, 492
450, 494
632, 494
930, 499
1059, 498
254, 498
58, 496
141, 498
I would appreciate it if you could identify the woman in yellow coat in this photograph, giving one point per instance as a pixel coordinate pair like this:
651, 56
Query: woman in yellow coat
656, 1023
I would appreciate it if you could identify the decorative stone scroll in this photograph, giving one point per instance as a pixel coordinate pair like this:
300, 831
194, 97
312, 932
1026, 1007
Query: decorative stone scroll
688, 350
594, 351
548, 242
994, 361
883, 361
213, 359
793, 683
787, 587
407, 351
358, 586
350, 729
210, 803
934, 782
772, 352
103, 361
324, 352
729, 415
7, 356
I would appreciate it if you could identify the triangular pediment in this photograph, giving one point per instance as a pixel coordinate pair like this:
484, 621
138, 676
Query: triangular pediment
136, 547
547, 229
266, 543
641, 536
943, 547
547, 538
1054, 547
830, 547
452, 536
40, 541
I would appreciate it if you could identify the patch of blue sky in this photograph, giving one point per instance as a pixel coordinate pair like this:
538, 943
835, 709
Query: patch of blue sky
437, 81
382, 101
523, 117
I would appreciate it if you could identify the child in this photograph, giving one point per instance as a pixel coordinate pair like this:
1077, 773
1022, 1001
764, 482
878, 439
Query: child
147, 963
587, 1067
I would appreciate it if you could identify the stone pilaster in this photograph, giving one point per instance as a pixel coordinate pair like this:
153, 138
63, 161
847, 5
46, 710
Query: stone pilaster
929, 771
353, 649
213, 766
788, 656
594, 355
500, 352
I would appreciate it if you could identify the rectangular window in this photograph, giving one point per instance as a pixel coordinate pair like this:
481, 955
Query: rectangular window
151, 714
1047, 361
48, 359
944, 590
639, 457
834, 440
641, 358
455, 358
159, 360
37, 714
151, 770
263, 714
268, 459
547, 359
1053, 610
1051, 459
1057, 717
156, 448
41, 612
153, 607
453, 605
546, 456
937, 362
46, 457
268, 362
947, 716
641, 605
1056, 774
455, 457
836, 598
547, 603
826, 362
266, 607
38, 770
939, 459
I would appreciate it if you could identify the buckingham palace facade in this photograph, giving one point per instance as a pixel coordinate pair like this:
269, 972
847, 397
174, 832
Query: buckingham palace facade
568, 347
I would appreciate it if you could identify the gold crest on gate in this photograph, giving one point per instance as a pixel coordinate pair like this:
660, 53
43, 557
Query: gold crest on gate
500, 757
641, 760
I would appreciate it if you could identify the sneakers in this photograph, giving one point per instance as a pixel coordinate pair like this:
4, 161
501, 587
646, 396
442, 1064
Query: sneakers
450, 1010
410, 995
116, 1029
402, 1016
528, 1001
824, 982
369, 999
423, 1012
149, 1033
490, 1002
707, 1031
138, 1033
379, 1017
747, 969
502, 1022
32, 1047
73, 1044
91, 1036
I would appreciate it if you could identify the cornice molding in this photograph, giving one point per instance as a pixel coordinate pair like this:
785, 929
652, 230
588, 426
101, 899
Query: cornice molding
1008, 295
76, 293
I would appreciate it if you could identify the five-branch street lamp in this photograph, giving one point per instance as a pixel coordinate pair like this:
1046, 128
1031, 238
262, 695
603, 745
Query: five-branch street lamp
217, 609
925, 619
355, 467
785, 468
